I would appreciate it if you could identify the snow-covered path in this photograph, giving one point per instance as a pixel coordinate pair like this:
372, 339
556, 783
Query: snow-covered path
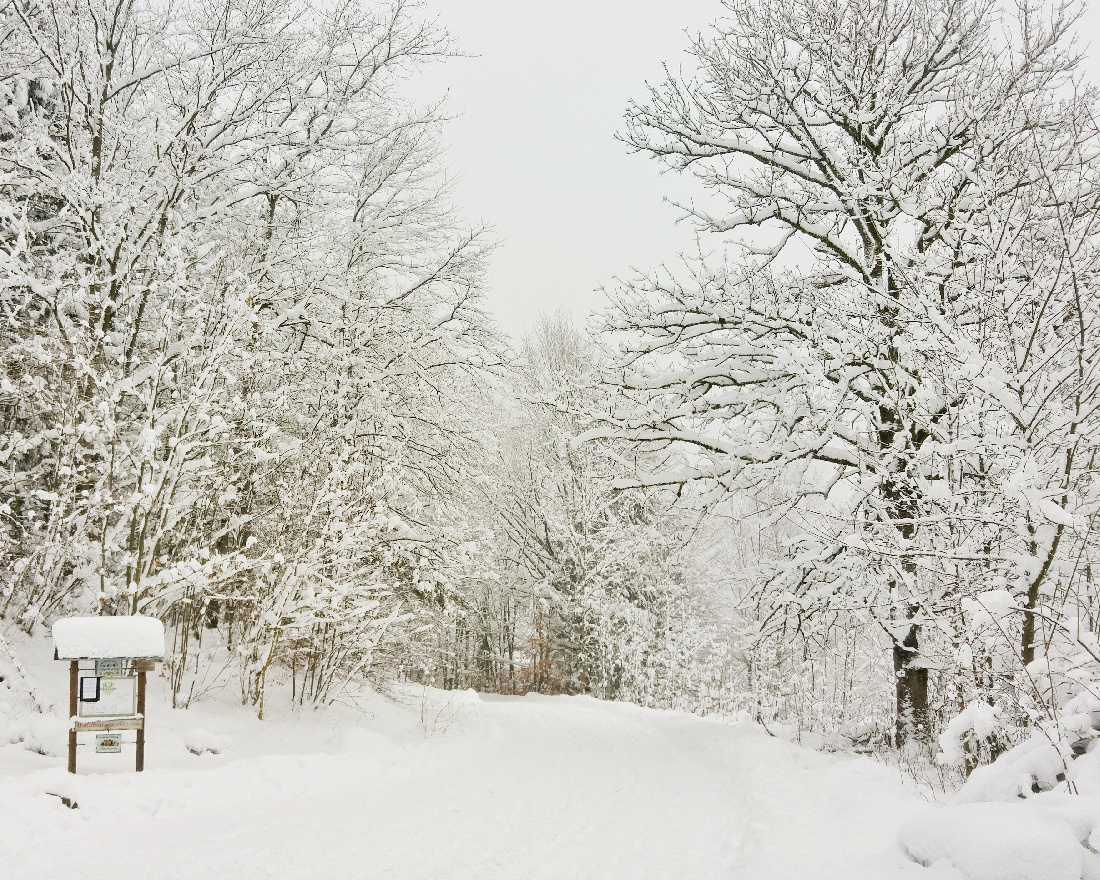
465, 786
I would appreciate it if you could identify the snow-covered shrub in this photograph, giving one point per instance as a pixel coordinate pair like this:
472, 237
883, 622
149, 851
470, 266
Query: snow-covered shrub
1029, 722
971, 735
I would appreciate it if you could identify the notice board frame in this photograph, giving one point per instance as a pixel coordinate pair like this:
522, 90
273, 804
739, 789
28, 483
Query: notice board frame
132, 667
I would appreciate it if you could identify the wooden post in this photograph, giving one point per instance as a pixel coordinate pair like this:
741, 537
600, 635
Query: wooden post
74, 683
139, 760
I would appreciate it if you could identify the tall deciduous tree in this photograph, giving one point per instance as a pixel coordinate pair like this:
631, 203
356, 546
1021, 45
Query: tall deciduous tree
240, 325
872, 162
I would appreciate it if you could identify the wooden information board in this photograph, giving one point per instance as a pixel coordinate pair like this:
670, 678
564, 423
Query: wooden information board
109, 657
108, 703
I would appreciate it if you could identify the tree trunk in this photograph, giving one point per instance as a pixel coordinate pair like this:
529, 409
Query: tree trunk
911, 690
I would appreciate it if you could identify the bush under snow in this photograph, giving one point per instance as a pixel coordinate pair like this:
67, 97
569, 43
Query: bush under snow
1033, 814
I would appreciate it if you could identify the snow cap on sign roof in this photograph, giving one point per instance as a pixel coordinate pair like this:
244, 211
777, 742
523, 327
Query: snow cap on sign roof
94, 638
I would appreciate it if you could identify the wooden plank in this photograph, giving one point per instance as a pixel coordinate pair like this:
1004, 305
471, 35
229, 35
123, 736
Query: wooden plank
105, 724
74, 683
139, 759
145, 665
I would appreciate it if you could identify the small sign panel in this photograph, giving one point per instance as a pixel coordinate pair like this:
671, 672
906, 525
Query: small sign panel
89, 689
110, 666
117, 696
89, 724
108, 743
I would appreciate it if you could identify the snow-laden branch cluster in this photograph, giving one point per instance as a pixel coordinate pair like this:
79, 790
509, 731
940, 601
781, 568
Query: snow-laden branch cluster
241, 339
894, 367
246, 385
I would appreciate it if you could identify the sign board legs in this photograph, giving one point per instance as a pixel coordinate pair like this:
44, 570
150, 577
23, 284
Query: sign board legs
74, 675
139, 760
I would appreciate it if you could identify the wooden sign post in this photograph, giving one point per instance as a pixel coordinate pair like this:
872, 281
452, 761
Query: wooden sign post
74, 673
109, 658
139, 754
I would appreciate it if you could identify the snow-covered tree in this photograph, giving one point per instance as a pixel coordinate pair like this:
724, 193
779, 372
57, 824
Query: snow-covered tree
240, 326
879, 167
592, 592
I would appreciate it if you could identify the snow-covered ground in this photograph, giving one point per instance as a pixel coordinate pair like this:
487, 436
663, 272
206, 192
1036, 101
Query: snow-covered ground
448, 785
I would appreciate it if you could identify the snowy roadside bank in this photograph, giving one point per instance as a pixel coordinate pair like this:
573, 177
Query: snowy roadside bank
460, 785
529, 787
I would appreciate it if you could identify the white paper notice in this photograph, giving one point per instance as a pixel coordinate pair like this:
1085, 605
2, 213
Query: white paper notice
117, 696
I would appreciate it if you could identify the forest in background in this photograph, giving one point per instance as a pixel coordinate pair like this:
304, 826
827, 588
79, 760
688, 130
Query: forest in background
839, 475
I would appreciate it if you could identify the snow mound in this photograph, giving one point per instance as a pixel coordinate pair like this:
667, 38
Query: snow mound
1000, 841
200, 741
1034, 764
41, 734
1086, 773
82, 638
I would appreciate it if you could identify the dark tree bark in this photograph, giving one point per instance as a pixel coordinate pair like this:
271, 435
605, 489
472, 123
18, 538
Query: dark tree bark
911, 689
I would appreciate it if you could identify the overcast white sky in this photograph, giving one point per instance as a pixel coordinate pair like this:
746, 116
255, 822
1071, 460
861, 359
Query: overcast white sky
534, 147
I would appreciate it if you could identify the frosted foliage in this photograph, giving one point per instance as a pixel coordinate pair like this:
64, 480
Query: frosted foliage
241, 340
246, 384
888, 364
978, 722
988, 610
594, 591
838, 471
